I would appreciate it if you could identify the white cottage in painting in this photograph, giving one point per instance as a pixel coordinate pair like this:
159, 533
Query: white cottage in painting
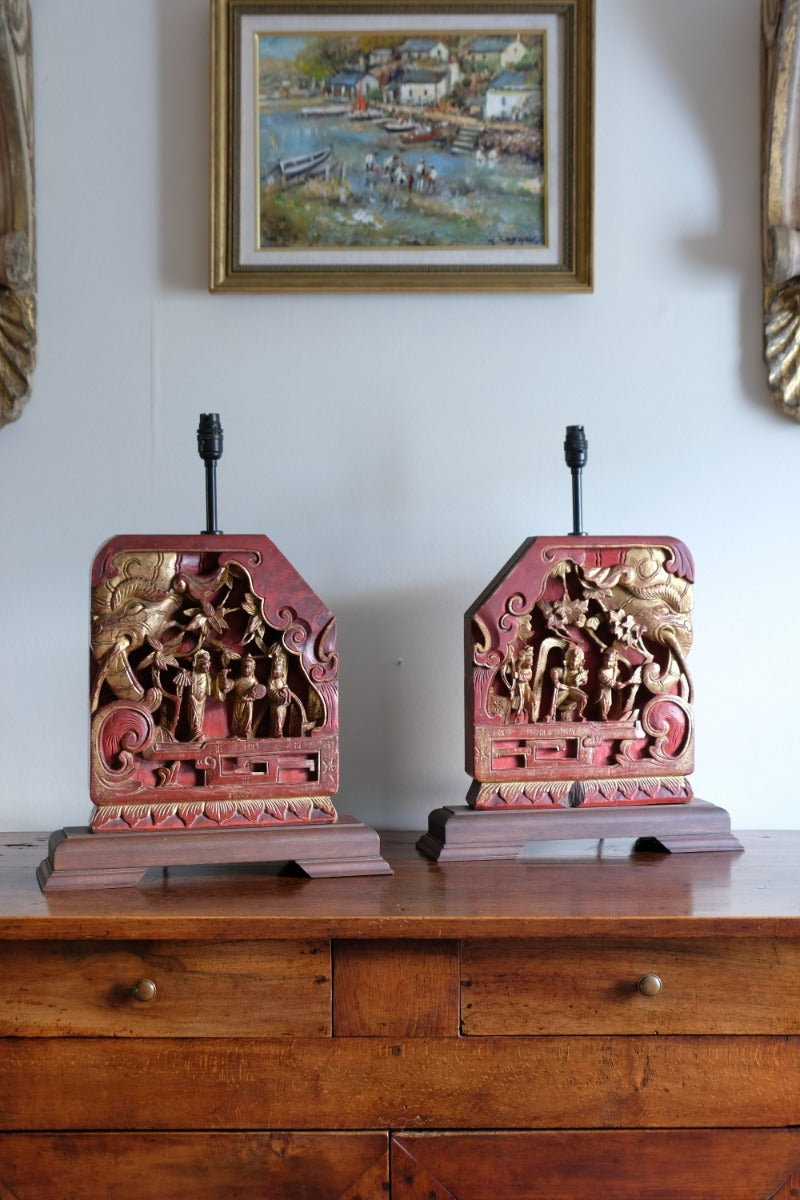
421, 86
510, 96
513, 53
500, 52
379, 57
350, 84
420, 48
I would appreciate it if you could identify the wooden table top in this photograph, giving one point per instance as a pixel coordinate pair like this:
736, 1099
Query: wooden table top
567, 890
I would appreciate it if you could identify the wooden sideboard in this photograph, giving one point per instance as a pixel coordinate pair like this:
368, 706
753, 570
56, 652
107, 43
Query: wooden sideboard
610, 1023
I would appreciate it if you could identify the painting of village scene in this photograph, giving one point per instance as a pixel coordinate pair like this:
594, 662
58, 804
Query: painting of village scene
401, 139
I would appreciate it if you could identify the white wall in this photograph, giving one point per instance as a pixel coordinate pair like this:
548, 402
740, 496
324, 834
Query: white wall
399, 448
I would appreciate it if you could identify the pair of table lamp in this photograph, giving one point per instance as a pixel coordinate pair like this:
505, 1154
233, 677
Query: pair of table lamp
214, 706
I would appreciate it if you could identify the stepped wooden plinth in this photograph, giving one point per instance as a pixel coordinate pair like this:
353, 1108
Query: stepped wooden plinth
462, 834
79, 859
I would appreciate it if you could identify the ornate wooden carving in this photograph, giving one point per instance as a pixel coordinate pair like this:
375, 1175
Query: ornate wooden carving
17, 211
578, 690
214, 687
214, 697
579, 705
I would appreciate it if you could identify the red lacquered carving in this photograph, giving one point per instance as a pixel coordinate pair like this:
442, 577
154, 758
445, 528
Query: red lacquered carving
577, 686
214, 687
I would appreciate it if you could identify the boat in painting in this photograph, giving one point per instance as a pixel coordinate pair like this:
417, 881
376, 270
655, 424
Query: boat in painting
364, 112
420, 133
291, 170
399, 126
325, 110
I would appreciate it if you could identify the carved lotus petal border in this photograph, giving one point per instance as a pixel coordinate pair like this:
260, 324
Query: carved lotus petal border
297, 810
593, 793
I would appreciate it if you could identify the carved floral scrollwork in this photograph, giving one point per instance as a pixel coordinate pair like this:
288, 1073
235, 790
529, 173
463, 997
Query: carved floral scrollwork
327, 665
670, 722
120, 732
295, 631
515, 608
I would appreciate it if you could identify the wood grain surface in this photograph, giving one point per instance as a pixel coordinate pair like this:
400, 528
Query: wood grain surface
395, 989
580, 890
709, 986
212, 989
656, 1165
194, 1166
471, 1031
417, 1083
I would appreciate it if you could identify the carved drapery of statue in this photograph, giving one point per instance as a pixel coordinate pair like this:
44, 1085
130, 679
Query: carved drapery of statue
780, 199
213, 687
577, 686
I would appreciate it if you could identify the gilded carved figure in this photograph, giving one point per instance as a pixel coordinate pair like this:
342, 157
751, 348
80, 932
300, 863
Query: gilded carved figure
278, 691
569, 698
518, 676
246, 690
199, 691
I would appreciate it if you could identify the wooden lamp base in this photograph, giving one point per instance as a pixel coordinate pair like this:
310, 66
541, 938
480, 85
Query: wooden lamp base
79, 859
462, 834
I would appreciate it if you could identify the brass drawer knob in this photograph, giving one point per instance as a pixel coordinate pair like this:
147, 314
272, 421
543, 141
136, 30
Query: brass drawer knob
649, 985
144, 990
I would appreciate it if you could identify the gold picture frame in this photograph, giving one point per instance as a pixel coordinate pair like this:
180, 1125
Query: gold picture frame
413, 146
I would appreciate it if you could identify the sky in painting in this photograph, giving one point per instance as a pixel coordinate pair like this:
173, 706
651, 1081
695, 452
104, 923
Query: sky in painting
279, 47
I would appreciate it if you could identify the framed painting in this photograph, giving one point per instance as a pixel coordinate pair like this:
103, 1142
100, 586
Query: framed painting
405, 146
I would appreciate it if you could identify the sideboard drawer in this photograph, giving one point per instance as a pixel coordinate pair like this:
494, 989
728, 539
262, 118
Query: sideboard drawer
187, 1166
715, 1164
736, 985
166, 989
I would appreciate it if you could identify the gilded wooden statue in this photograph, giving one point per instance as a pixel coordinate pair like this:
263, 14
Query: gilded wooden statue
17, 211
780, 172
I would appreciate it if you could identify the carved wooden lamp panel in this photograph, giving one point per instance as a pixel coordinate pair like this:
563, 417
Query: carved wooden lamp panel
214, 686
214, 704
579, 703
578, 691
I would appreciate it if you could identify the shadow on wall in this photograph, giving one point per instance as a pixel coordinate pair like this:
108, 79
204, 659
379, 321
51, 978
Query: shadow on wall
183, 72
401, 705
711, 51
